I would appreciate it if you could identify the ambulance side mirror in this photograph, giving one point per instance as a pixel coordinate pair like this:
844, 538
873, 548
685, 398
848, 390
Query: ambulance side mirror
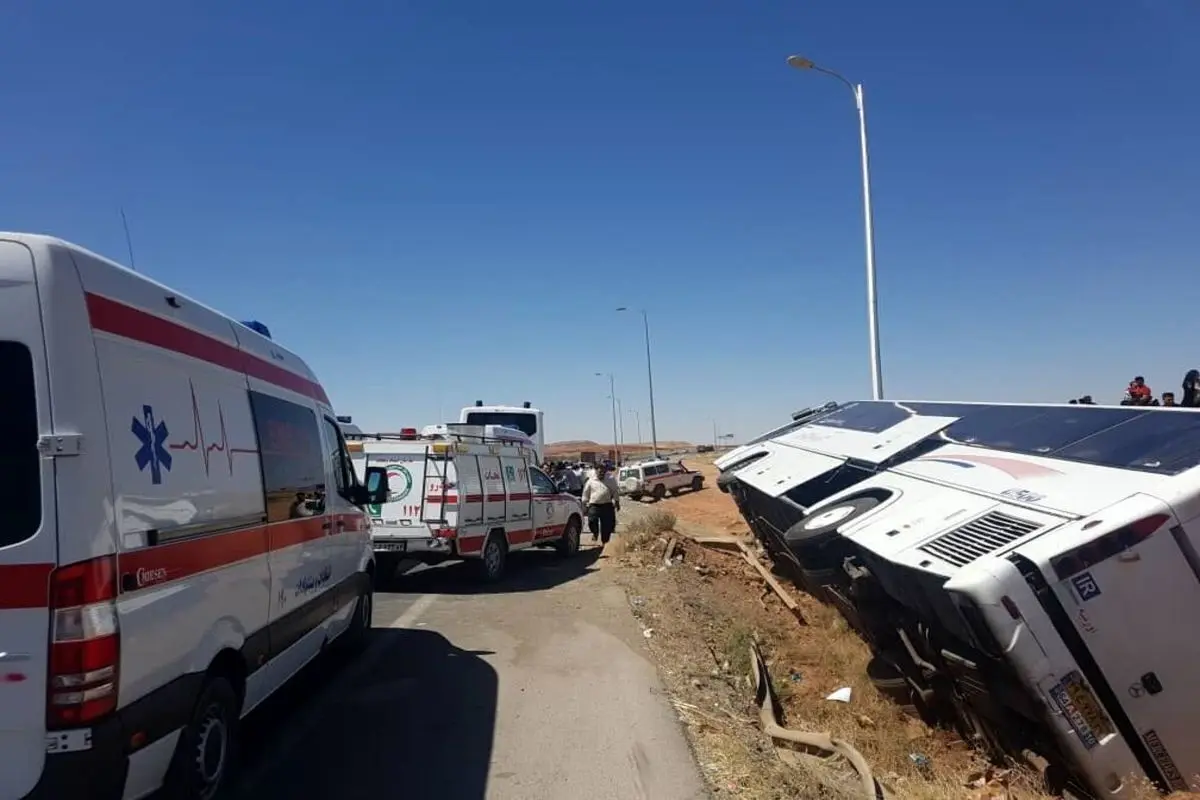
375, 487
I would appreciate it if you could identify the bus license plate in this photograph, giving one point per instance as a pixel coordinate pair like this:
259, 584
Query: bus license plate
391, 547
1082, 709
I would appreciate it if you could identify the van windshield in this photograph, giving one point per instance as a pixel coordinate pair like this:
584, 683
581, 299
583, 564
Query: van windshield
20, 491
525, 423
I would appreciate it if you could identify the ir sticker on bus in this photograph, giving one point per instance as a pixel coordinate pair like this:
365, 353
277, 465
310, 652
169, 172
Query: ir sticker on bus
1085, 586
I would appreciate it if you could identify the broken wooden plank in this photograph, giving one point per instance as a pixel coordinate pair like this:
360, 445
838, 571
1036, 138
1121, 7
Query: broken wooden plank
669, 553
776, 586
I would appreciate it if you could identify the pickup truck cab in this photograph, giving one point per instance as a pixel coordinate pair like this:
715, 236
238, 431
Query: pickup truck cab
656, 478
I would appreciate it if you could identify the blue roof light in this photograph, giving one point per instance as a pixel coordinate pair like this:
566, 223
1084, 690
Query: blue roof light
257, 327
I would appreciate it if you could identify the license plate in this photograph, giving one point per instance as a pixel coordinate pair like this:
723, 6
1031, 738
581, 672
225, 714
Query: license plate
1082, 709
391, 547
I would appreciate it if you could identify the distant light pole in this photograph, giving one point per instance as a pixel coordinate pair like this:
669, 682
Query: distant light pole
612, 396
799, 62
649, 379
621, 423
638, 418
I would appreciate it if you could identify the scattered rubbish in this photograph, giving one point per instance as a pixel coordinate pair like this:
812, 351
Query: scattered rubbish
795, 676
669, 553
637, 601
648, 632
920, 761
696, 683
842, 695
864, 721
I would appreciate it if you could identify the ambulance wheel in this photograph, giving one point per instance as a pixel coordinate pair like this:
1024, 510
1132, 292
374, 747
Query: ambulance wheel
355, 637
493, 557
204, 756
659, 492
635, 496
568, 545
697, 483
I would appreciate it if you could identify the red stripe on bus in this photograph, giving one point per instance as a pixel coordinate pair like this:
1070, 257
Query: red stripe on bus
25, 585
111, 316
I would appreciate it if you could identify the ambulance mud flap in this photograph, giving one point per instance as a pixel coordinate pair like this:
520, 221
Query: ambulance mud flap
1090, 669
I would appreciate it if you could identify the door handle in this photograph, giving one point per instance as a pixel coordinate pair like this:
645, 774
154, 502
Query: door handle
327, 526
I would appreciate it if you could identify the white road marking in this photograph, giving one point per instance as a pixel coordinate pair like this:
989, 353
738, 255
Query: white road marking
289, 739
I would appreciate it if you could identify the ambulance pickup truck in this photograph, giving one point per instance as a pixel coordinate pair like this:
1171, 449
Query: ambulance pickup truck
464, 491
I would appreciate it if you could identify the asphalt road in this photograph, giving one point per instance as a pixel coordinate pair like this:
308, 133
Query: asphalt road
536, 688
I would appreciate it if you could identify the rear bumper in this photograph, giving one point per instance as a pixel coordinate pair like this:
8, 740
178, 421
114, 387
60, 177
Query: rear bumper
414, 545
94, 774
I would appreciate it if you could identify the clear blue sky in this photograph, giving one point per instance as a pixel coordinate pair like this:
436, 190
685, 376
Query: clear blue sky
435, 202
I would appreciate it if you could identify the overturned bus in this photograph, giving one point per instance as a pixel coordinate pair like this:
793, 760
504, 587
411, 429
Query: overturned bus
1024, 573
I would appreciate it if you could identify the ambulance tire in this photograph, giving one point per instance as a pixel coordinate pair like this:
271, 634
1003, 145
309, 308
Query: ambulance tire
493, 557
659, 492
208, 746
355, 637
697, 483
568, 545
635, 496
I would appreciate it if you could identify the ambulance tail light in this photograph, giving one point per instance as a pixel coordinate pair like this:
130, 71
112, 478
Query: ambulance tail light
408, 433
1106, 546
85, 644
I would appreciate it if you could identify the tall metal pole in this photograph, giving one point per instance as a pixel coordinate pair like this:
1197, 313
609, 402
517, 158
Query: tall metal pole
714, 434
612, 395
637, 418
869, 226
621, 419
800, 62
650, 380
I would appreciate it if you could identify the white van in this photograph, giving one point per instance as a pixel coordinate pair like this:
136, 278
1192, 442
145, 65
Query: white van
466, 491
182, 528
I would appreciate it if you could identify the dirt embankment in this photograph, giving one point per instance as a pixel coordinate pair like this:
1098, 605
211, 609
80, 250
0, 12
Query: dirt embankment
702, 612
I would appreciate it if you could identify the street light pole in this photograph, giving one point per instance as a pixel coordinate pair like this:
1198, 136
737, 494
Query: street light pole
649, 380
612, 396
637, 418
868, 220
621, 424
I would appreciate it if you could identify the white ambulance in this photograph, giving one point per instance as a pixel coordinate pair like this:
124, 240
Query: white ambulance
465, 491
182, 529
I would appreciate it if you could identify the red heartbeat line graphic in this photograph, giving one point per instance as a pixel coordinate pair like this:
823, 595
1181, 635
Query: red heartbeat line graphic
198, 441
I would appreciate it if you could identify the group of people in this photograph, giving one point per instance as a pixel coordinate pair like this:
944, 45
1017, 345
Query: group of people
1140, 394
598, 490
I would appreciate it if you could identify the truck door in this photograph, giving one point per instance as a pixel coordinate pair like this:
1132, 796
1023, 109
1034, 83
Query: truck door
548, 516
1131, 595
28, 544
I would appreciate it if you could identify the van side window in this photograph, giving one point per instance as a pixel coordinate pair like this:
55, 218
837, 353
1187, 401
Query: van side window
20, 490
541, 483
339, 459
289, 444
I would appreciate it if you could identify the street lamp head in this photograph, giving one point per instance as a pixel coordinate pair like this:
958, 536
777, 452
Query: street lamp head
622, 308
800, 62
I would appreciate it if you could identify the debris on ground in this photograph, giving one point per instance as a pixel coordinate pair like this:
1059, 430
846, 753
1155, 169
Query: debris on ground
707, 618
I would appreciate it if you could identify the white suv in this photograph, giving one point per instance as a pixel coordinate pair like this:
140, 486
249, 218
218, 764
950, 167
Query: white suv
656, 478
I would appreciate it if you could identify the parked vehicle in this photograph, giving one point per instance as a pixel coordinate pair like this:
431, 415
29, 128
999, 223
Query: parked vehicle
465, 491
525, 418
1019, 568
182, 529
656, 478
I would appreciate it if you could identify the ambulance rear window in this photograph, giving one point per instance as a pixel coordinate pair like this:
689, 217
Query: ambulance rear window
20, 490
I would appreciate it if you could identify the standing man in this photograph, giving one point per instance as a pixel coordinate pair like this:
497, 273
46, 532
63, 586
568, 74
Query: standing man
602, 499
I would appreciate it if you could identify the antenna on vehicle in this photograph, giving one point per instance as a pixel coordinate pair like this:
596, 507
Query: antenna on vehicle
128, 241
